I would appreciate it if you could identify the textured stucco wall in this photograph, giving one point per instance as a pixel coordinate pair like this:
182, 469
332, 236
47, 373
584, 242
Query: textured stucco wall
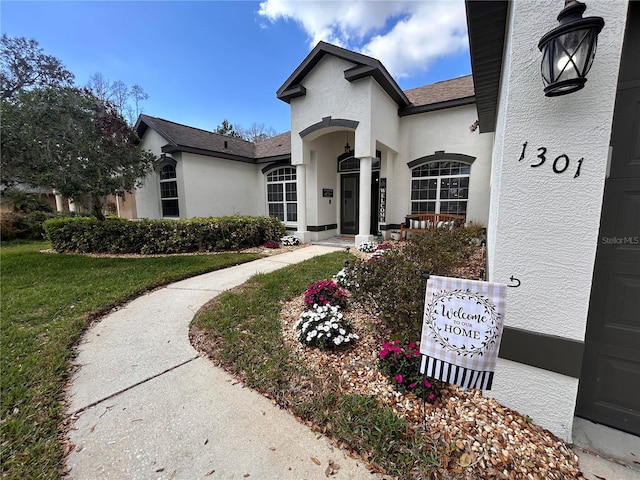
207, 186
424, 134
218, 187
148, 195
543, 225
328, 95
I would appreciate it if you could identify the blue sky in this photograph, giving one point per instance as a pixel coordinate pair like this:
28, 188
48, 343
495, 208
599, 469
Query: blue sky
201, 62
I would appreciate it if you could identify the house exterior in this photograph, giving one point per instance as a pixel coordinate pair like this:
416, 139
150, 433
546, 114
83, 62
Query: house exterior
360, 156
556, 181
567, 230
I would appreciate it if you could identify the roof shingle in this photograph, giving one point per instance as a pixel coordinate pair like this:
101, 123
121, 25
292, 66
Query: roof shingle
454, 89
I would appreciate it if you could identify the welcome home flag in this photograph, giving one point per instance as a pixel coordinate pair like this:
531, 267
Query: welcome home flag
461, 330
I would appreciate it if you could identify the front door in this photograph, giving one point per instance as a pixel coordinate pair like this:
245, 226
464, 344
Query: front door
609, 384
349, 211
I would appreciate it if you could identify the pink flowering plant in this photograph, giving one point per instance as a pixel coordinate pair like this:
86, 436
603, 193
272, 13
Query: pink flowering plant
325, 292
271, 244
400, 363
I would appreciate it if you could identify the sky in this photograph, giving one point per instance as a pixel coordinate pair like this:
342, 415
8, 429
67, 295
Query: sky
202, 62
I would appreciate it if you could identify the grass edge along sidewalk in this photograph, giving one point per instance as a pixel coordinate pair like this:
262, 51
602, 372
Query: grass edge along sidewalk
47, 302
240, 331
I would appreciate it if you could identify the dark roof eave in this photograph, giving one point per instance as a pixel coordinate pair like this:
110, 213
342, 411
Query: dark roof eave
275, 158
432, 107
207, 153
293, 92
486, 24
148, 122
384, 80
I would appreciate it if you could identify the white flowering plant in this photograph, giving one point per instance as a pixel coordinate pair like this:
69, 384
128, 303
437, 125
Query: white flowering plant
368, 247
289, 241
325, 327
346, 279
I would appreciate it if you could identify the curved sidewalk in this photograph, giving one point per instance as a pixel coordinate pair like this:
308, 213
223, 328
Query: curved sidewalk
147, 406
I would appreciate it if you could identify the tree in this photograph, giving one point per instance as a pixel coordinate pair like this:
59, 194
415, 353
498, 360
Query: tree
119, 94
23, 66
225, 128
258, 132
138, 95
255, 133
70, 140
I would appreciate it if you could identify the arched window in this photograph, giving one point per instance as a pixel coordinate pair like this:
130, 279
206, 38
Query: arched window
440, 187
282, 196
169, 191
348, 163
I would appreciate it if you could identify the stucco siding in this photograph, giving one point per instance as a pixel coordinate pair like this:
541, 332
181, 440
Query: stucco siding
329, 95
544, 223
424, 134
218, 187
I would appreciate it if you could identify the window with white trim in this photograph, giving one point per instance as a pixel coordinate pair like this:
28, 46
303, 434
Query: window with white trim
169, 191
440, 187
282, 194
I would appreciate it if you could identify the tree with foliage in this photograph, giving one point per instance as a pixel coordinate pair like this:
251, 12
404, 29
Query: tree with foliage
225, 128
23, 66
70, 140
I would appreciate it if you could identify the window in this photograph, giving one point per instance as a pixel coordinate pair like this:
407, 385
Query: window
348, 163
169, 191
440, 187
282, 196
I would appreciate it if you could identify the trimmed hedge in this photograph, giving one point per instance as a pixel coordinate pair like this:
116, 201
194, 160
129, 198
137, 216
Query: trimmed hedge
117, 235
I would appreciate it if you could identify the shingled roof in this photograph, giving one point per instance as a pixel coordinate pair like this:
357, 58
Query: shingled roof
182, 138
445, 94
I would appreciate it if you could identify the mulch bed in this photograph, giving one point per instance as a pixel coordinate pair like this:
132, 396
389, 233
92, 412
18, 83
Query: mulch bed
477, 437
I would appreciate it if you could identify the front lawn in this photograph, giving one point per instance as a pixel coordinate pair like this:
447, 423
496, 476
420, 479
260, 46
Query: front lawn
47, 302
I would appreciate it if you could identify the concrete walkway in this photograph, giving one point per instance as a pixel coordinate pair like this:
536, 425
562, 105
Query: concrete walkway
147, 406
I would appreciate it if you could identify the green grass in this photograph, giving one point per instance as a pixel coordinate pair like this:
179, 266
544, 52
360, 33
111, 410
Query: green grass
245, 337
46, 301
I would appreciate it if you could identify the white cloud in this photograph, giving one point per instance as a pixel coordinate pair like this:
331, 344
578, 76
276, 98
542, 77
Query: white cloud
406, 36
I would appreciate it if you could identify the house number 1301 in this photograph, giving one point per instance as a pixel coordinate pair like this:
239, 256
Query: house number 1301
560, 163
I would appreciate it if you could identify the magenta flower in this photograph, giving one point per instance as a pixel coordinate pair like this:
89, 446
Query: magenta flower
398, 378
427, 384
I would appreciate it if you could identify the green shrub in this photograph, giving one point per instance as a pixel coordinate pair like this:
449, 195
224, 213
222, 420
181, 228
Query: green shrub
116, 235
389, 286
24, 202
26, 226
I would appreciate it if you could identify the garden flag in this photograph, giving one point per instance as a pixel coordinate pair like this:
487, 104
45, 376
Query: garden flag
461, 330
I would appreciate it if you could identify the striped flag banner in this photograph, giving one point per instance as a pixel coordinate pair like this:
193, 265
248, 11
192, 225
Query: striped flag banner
461, 330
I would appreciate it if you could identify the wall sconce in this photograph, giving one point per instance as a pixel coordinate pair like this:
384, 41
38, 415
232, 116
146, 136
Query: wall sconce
568, 50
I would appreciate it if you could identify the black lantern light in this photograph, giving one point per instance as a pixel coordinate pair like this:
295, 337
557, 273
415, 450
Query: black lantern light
568, 50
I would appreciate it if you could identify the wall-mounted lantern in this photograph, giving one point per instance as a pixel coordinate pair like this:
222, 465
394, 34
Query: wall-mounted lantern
568, 50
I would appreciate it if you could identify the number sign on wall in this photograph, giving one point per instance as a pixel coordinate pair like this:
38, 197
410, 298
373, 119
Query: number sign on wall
559, 165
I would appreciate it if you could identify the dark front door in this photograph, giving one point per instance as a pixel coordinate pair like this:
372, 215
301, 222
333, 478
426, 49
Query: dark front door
349, 211
609, 391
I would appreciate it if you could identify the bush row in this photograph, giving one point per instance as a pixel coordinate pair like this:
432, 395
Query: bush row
116, 235
26, 226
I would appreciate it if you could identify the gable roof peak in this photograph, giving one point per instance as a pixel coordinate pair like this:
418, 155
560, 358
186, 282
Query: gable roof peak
365, 66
